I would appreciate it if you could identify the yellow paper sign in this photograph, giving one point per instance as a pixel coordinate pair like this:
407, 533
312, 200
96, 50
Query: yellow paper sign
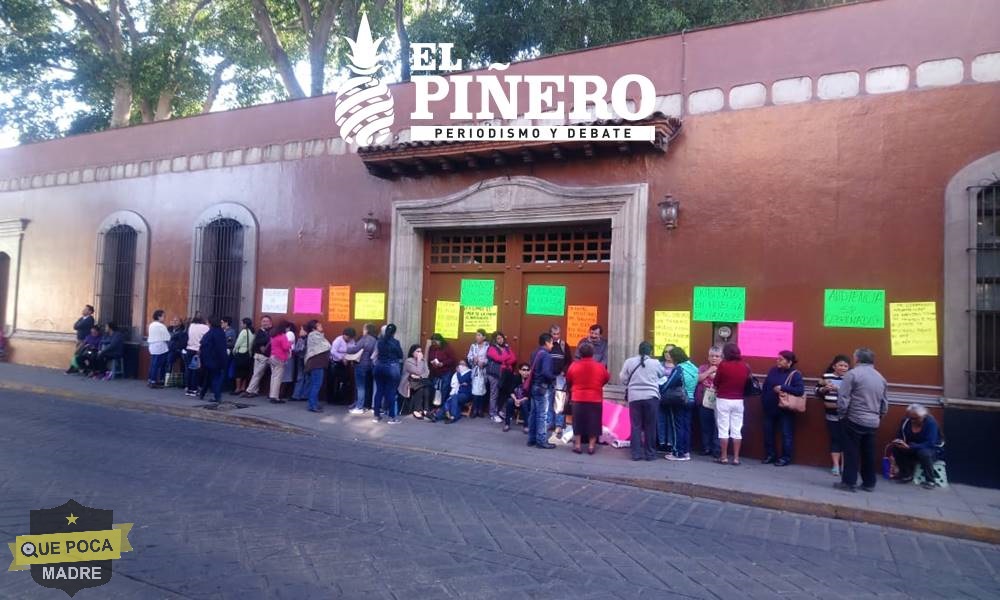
369, 305
479, 317
672, 327
340, 303
913, 328
446, 319
578, 322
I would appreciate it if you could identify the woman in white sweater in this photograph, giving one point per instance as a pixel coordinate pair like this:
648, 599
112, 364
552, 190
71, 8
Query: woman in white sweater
640, 375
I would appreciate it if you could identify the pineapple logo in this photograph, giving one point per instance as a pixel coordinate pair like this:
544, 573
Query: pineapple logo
364, 104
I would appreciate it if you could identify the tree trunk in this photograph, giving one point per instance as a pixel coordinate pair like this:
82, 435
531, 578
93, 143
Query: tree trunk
265, 28
404, 42
163, 108
317, 67
121, 105
215, 86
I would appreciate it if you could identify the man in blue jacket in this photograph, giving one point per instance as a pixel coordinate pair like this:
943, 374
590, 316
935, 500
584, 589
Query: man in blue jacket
919, 441
543, 378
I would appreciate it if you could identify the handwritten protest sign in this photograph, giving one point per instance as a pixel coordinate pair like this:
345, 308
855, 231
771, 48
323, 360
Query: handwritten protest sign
672, 327
274, 300
308, 301
446, 319
765, 338
913, 328
340, 303
479, 317
854, 308
578, 322
720, 304
369, 305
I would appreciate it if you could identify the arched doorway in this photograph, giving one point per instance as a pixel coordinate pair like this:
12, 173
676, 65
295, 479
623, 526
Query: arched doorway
4, 286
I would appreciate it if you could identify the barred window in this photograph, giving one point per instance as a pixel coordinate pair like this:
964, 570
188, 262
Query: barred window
120, 282
986, 374
468, 249
574, 245
223, 263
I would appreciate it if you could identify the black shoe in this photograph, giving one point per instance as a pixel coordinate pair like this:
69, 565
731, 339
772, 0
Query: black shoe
929, 485
767, 460
866, 488
706, 453
315, 410
72, 370
546, 446
840, 485
532, 443
273, 401
782, 462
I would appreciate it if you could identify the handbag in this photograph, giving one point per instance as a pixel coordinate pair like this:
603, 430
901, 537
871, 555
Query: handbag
437, 397
674, 395
752, 386
195, 363
708, 398
559, 404
478, 382
790, 401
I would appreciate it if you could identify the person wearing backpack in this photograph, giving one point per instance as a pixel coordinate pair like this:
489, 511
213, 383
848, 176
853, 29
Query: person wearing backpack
783, 377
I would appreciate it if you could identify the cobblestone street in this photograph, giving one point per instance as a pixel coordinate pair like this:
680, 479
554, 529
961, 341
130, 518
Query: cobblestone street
222, 511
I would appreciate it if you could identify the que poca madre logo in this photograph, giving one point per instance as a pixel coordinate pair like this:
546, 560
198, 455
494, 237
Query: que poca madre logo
70, 547
364, 107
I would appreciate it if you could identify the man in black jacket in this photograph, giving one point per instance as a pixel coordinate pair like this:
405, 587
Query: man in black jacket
260, 349
82, 328
112, 348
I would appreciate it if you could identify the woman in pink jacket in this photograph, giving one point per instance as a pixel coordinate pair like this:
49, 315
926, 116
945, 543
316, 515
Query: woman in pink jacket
500, 361
281, 349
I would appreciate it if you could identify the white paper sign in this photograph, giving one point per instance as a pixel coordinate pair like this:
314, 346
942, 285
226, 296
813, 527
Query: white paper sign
274, 301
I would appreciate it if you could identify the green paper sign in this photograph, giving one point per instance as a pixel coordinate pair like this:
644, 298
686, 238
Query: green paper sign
720, 304
477, 292
854, 308
546, 300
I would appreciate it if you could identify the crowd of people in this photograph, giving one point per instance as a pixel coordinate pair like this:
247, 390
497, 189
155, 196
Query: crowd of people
437, 383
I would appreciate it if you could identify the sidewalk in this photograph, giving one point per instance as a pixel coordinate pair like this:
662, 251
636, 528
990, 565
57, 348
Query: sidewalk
958, 511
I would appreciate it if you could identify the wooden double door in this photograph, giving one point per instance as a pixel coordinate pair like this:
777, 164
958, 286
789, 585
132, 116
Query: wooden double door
577, 257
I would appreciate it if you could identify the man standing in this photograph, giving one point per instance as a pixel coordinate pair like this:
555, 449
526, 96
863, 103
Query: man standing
363, 380
595, 339
339, 381
561, 358
82, 328
542, 379
861, 404
157, 338
260, 349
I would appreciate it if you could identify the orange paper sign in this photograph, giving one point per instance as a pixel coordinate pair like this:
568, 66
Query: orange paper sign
578, 322
340, 303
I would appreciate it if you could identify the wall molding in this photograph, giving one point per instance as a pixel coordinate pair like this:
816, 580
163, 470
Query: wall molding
816, 87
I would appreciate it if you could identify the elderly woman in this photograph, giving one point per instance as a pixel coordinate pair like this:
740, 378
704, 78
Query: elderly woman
640, 375
587, 378
919, 441
416, 382
826, 390
705, 394
730, 380
315, 361
477, 359
782, 378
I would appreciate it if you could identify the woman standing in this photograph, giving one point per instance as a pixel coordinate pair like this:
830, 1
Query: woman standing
782, 378
158, 339
664, 422
681, 413
587, 378
826, 390
281, 349
415, 381
476, 359
315, 361
500, 361
441, 361
242, 361
705, 393
213, 355
730, 380
196, 330
640, 375
388, 370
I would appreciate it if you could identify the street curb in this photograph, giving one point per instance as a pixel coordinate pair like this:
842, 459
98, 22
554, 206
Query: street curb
694, 490
817, 509
177, 411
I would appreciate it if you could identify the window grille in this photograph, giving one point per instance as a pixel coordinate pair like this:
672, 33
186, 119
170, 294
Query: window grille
218, 269
117, 266
574, 245
468, 249
985, 379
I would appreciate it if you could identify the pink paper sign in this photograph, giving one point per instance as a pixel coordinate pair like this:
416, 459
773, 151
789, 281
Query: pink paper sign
308, 301
616, 420
765, 338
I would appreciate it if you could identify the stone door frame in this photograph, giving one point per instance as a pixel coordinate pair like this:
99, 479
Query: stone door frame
520, 201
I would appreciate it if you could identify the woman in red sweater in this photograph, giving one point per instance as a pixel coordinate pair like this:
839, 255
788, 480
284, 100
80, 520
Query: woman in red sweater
730, 381
587, 378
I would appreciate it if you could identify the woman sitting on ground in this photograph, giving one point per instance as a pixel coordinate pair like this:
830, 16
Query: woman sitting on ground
918, 441
587, 378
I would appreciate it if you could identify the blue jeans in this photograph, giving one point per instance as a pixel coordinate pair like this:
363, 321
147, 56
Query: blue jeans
157, 367
192, 377
313, 382
454, 404
362, 381
551, 418
664, 426
387, 379
786, 421
709, 434
212, 379
537, 430
301, 389
681, 417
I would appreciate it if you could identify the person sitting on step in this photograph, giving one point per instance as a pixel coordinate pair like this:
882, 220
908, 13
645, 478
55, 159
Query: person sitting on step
918, 441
